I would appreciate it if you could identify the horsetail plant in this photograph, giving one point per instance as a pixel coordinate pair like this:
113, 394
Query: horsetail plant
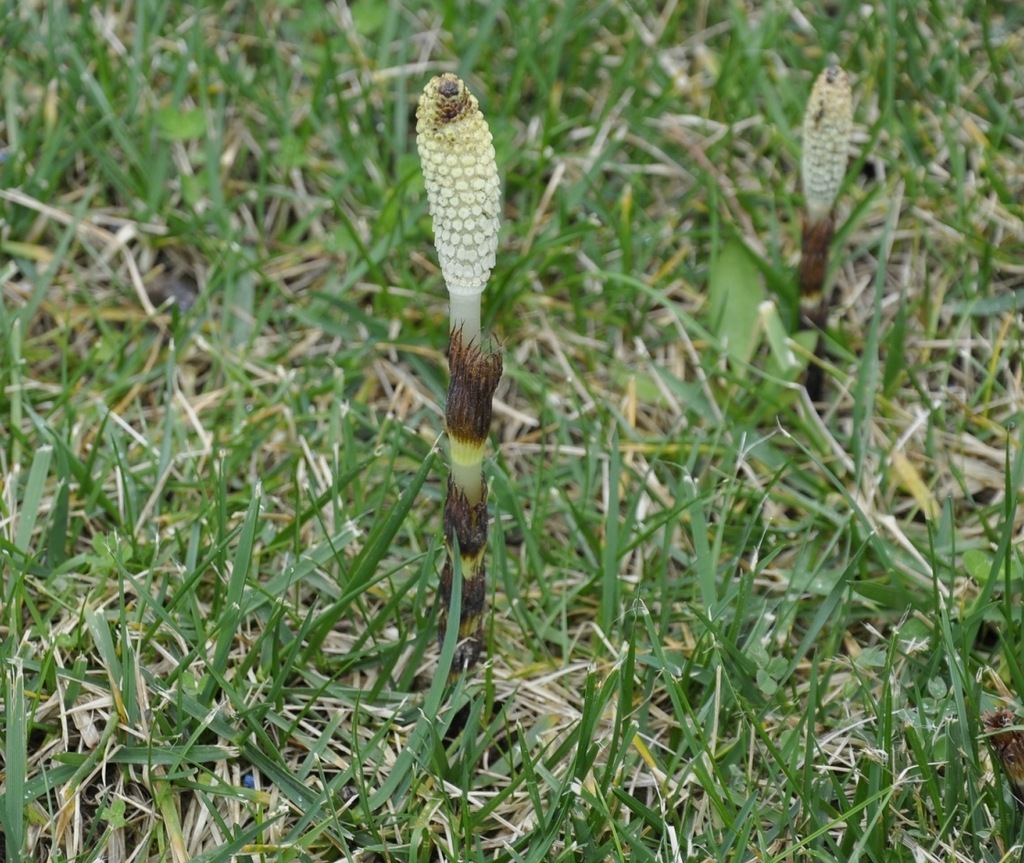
461, 177
828, 122
1007, 741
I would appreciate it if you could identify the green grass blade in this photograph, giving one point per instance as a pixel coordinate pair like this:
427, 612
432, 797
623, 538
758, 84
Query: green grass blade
16, 760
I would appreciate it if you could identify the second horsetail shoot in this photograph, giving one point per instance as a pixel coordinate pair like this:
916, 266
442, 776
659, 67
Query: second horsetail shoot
461, 177
828, 122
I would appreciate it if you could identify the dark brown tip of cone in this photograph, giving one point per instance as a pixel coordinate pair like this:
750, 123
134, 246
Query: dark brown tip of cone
475, 375
817, 238
449, 87
453, 99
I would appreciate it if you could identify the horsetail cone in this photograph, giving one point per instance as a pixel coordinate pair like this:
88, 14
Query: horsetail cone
461, 176
828, 122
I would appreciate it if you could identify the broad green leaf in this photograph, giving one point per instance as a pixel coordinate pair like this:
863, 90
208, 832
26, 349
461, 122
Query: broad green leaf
736, 291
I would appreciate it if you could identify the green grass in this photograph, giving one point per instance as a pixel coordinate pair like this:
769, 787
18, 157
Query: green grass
721, 627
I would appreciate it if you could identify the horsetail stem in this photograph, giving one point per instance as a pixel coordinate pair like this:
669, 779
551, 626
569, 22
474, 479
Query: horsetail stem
828, 122
461, 177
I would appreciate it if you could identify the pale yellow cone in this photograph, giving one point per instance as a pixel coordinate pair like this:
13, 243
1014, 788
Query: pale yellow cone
461, 176
828, 122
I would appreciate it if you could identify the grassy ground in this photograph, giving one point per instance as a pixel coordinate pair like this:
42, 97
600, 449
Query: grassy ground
721, 626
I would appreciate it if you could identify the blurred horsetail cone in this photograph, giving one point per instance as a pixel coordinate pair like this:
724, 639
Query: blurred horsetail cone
828, 123
461, 176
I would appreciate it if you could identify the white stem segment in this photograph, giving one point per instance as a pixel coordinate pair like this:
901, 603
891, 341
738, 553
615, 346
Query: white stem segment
828, 122
461, 177
465, 313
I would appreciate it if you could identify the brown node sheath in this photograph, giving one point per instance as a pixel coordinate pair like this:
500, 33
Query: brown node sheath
475, 374
817, 238
465, 522
465, 525
1008, 745
471, 625
816, 241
